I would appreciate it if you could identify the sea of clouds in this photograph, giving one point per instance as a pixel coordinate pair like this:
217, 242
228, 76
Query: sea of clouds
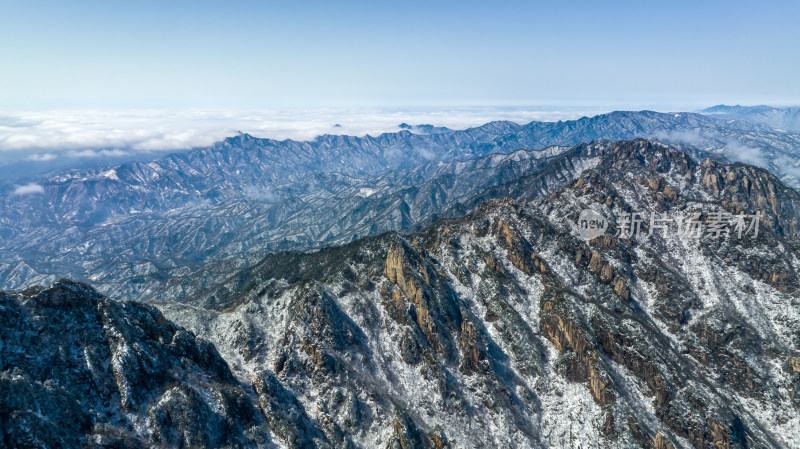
43, 136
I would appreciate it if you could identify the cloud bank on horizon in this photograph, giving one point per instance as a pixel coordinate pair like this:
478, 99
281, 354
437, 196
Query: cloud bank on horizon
47, 135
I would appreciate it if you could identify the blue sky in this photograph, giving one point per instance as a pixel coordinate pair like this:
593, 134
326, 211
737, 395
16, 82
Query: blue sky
248, 54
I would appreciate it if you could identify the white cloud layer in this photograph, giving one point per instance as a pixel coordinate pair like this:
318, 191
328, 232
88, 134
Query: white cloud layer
28, 189
748, 155
44, 135
42, 157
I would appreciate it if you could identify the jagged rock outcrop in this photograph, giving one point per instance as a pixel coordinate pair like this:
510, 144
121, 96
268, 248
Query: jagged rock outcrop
506, 328
80, 370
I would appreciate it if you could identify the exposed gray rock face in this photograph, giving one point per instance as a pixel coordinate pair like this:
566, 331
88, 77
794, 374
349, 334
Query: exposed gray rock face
505, 329
128, 228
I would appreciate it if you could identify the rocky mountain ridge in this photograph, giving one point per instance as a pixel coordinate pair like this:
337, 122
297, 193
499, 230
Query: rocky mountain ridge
504, 328
217, 209
80, 370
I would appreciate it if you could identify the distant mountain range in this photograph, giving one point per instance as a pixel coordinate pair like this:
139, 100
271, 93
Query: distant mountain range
787, 119
144, 229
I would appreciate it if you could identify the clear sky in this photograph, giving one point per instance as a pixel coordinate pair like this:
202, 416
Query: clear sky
254, 54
